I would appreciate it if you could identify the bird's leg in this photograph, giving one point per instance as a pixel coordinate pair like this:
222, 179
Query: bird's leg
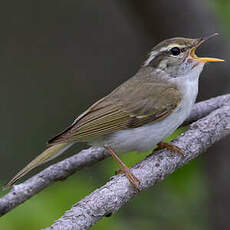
173, 148
124, 169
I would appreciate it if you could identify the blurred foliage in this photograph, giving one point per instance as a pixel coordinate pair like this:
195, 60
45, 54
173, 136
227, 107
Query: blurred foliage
223, 8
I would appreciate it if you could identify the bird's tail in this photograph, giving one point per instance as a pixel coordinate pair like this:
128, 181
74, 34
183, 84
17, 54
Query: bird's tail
49, 154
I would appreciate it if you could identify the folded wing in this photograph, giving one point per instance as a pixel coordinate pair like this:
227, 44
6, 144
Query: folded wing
126, 107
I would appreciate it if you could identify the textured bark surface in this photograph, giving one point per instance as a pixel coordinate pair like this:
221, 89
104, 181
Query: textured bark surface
21, 192
203, 108
118, 191
59, 171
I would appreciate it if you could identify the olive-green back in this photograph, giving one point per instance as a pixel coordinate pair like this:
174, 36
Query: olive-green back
138, 101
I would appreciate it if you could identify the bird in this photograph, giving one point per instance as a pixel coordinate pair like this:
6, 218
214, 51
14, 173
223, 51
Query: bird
142, 111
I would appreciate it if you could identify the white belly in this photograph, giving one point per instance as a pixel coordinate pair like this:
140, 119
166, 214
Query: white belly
144, 138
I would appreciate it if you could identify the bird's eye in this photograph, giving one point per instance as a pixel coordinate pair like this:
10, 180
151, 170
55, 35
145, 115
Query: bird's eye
175, 51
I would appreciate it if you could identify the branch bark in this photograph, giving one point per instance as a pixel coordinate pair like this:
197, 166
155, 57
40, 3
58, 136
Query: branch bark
59, 171
203, 108
56, 172
118, 191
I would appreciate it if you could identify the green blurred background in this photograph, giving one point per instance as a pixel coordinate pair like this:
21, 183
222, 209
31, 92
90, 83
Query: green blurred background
59, 57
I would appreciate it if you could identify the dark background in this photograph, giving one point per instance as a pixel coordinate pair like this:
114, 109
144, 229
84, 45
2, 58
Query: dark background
59, 57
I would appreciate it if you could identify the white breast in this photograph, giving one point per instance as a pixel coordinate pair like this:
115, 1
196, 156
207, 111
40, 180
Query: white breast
144, 138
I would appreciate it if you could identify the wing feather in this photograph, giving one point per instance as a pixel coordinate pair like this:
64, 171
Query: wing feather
122, 109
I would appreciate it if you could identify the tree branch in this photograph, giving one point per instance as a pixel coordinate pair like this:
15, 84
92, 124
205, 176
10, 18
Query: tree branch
59, 171
203, 108
118, 191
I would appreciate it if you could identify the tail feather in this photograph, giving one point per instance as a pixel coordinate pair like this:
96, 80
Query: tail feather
49, 154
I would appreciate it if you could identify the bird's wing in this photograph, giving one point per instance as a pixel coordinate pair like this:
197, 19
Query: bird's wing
126, 107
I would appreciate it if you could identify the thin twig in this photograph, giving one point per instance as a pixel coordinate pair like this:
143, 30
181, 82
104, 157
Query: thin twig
56, 172
203, 108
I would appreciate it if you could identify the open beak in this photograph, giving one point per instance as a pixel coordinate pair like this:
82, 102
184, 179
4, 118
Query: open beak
203, 59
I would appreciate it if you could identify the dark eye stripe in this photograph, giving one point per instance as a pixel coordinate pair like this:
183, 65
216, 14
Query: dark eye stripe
161, 55
184, 49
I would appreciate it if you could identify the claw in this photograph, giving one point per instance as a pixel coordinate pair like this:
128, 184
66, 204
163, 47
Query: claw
124, 169
170, 147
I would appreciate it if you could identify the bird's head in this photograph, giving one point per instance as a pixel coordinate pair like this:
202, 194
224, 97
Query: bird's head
176, 56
